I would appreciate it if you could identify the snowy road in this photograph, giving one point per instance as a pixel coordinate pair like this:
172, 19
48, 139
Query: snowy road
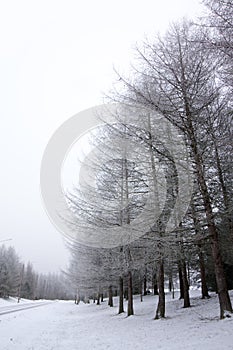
19, 307
66, 326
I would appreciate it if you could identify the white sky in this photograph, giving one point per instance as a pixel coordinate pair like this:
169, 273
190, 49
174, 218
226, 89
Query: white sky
57, 58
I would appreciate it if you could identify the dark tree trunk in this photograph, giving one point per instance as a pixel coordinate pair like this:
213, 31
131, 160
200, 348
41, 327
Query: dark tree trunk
160, 312
173, 291
223, 295
121, 296
130, 295
155, 284
126, 293
141, 290
144, 286
102, 297
98, 299
204, 288
110, 298
185, 284
181, 281
224, 190
170, 282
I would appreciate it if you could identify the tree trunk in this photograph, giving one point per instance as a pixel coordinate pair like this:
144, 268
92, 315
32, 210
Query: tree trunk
98, 299
155, 285
102, 297
144, 286
130, 295
170, 283
121, 296
223, 295
160, 312
204, 288
224, 189
141, 290
126, 293
185, 284
173, 291
181, 281
110, 298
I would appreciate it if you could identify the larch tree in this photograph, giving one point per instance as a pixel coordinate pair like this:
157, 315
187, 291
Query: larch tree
176, 77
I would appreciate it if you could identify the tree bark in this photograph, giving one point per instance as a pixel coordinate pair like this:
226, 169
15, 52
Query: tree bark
155, 284
170, 283
144, 286
160, 312
126, 293
130, 295
181, 281
224, 188
185, 284
110, 298
121, 296
204, 288
141, 290
223, 295
98, 299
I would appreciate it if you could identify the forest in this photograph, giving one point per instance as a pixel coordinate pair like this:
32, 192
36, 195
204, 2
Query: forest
155, 194
156, 202
20, 280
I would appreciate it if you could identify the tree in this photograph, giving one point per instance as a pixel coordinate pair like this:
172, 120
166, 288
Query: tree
177, 78
9, 272
220, 36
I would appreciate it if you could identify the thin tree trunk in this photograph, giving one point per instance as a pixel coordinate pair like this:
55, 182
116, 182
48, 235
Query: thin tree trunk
185, 284
130, 295
121, 296
204, 288
224, 189
126, 293
181, 281
160, 312
110, 298
144, 286
223, 295
170, 283
141, 290
173, 291
155, 284
20, 283
98, 299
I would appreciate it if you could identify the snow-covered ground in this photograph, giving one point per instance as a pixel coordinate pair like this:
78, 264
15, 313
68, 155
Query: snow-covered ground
66, 326
13, 301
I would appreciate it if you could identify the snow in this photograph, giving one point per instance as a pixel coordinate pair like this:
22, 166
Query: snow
63, 325
14, 301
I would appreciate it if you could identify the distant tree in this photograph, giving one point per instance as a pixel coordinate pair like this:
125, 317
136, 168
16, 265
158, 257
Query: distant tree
9, 272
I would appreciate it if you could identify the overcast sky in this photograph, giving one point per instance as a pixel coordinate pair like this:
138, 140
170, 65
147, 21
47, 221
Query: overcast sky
57, 58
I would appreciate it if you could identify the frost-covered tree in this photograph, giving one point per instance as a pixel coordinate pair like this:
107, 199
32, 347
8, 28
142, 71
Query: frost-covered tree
176, 77
9, 272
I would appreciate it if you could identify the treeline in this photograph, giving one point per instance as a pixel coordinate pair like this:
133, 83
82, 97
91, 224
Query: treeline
185, 77
22, 281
